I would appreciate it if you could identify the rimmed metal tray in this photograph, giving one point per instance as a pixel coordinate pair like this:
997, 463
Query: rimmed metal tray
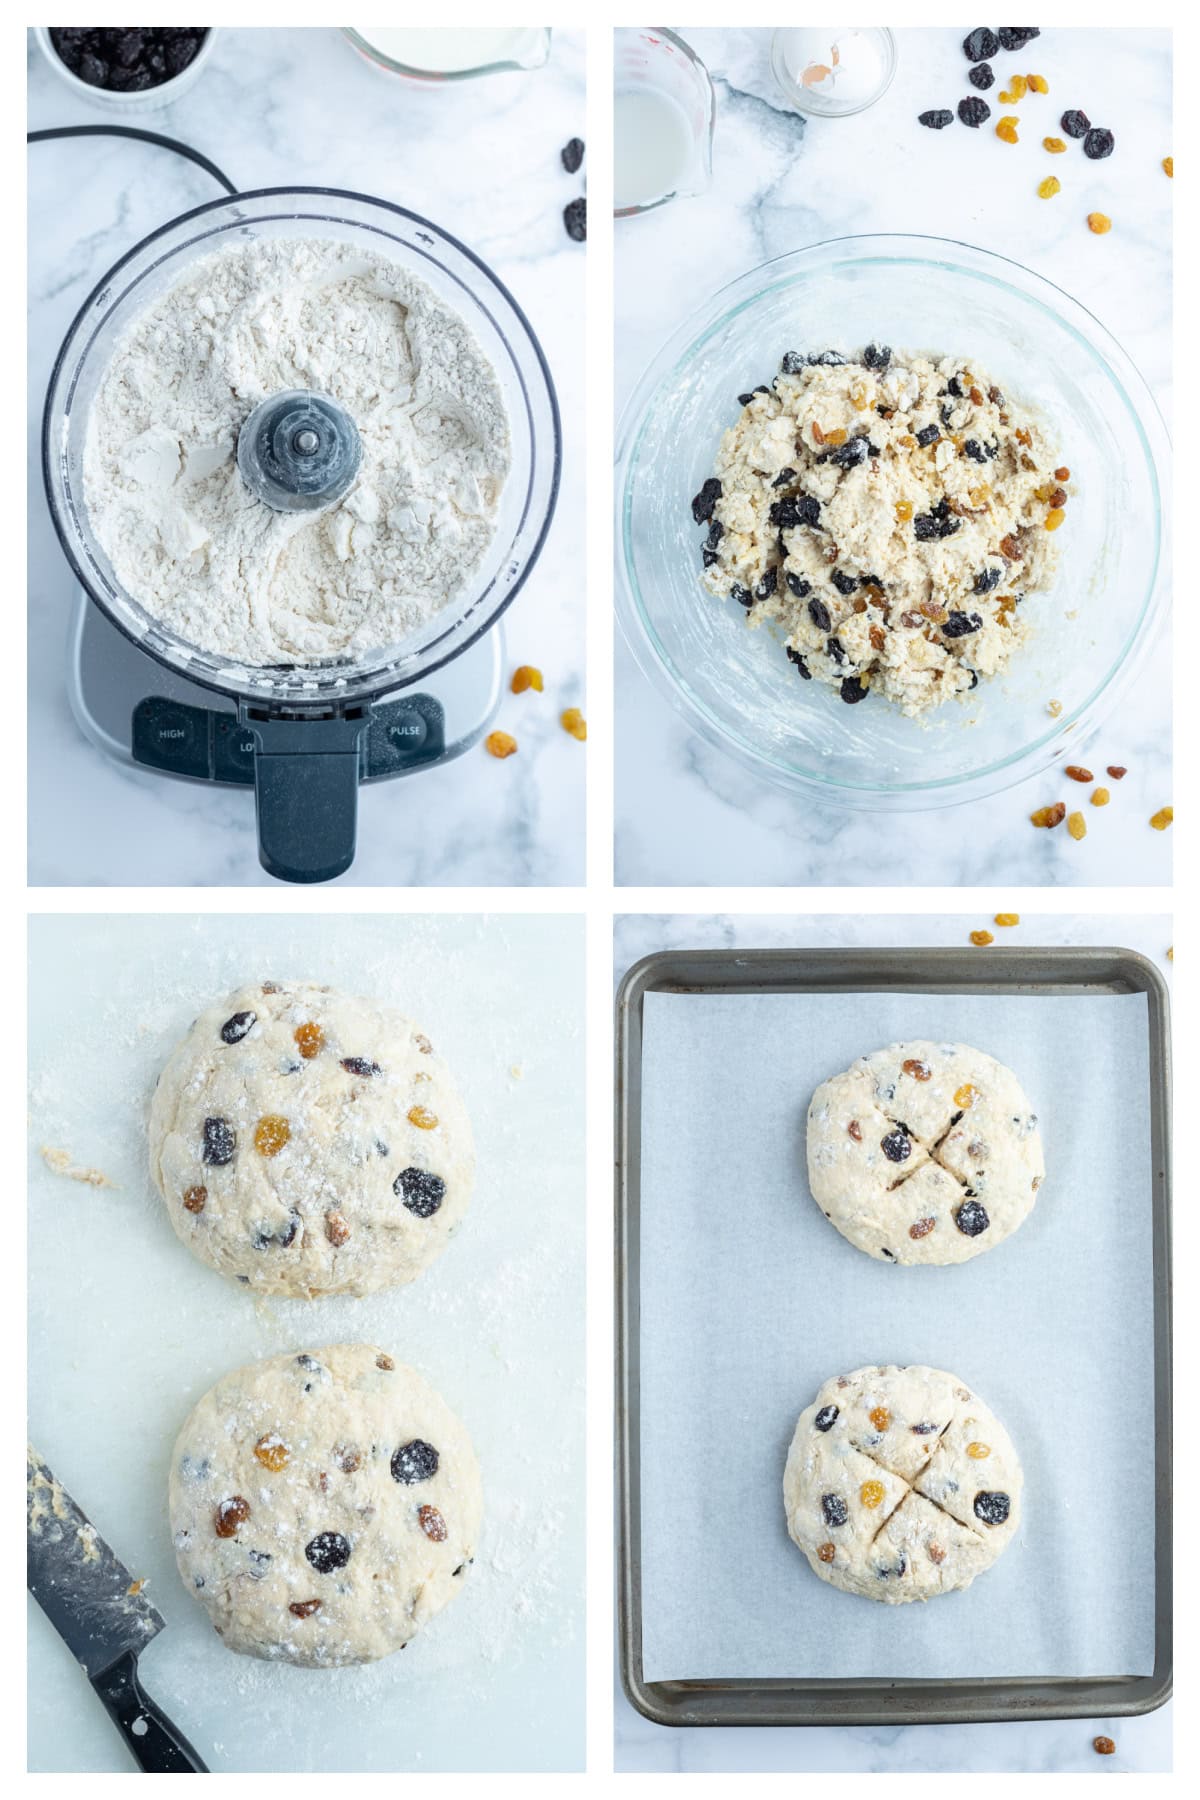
1073, 970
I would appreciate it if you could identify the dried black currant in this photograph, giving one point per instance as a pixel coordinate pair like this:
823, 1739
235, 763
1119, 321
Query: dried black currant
961, 624
783, 477
885, 1571
954, 386
798, 585
235, 1029
572, 155
827, 359
414, 1461
834, 1508
359, 1065
825, 1418
924, 1430
797, 509
220, 1142
896, 1146
971, 1218
706, 499
928, 434
1015, 37
768, 584
818, 612
975, 450
992, 1507
1098, 143
986, 580
981, 76
850, 454
934, 525
742, 595
980, 44
845, 584
802, 667
421, 1191
575, 220
1076, 124
852, 690
328, 1551
936, 119
834, 647
877, 356
792, 363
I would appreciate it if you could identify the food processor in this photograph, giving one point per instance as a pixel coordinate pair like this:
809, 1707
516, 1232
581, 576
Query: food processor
304, 736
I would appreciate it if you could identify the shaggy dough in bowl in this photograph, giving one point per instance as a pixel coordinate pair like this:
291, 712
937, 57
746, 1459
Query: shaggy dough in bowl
308, 1143
924, 1153
888, 515
900, 1484
324, 1506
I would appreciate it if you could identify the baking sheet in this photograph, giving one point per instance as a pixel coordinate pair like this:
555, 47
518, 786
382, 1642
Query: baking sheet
749, 1300
127, 1330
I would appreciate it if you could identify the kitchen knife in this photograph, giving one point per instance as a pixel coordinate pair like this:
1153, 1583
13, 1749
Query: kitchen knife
103, 1617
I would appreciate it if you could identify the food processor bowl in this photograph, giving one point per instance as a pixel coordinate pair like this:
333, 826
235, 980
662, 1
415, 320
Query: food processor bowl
327, 698
1090, 632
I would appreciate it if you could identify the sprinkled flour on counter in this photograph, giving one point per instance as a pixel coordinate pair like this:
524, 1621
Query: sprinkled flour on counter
190, 542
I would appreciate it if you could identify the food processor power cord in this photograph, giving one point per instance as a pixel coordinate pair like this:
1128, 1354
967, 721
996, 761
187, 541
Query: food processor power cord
134, 131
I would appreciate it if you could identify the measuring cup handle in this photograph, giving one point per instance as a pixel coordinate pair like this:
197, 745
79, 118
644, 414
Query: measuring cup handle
306, 796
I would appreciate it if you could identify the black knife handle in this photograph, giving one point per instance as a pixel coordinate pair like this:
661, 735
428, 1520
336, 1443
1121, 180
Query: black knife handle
157, 1746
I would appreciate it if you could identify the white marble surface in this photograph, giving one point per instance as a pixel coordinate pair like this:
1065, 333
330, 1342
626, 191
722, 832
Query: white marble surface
685, 813
482, 159
1054, 1747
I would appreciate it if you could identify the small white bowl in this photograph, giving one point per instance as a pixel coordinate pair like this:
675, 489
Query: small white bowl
147, 100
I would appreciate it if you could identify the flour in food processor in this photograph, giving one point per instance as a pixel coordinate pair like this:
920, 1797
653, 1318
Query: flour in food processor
193, 545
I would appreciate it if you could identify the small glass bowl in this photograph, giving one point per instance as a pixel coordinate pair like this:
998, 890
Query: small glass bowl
1091, 632
148, 99
848, 86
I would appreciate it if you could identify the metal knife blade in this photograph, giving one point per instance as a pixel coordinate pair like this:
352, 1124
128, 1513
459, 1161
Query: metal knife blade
85, 1591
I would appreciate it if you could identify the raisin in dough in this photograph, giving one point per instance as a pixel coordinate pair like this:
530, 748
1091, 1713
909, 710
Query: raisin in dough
323, 1506
887, 515
307, 1143
924, 1153
900, 1484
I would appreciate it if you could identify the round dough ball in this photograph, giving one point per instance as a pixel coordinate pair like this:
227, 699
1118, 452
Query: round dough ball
308, 1143
924, 1153
900, 1484
323, 1506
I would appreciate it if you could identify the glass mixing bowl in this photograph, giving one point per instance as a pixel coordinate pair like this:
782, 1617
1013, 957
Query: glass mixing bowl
1092, 630
465, 283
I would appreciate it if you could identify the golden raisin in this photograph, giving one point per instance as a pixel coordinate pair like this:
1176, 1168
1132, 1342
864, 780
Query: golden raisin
835, 437
1054, 708
936, 1553
1007, 919
855, 1130
966, 1096
1038, 84
336, 1229
976, 396
348, 1457
920, 1071
527, 677
1062, 474
1103, 1746
309, 1040
981, 938
1049, 816
1006, 130
876, 635
432, 1524
423, 1044
827, 1552
271, 1134
904, 511
384, 1361
1048, 188
880, 1418
1169, 166
304, 1609
1018, 87
1077, 773
194, 1199
1055, 146
1077, 825
818, 434
500, 744
921, 1228
422, 1118
574, 723
1009, 547
272, 1452
229, 1515
871, 1493
1163, 817
1054, 518
1099, 223
1117, 771
979, 1451
1101, 797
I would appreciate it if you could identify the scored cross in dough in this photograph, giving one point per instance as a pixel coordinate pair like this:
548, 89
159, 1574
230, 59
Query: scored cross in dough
924, 1153
900, 1484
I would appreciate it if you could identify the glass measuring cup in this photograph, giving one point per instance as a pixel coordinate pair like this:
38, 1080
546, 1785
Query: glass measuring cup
453, 53
664, 112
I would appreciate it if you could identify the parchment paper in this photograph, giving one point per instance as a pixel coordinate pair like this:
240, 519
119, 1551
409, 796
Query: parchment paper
750, 1300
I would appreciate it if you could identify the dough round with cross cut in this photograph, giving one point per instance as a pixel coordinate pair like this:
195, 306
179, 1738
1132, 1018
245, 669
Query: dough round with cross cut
324, 1506
901, 1484
924, 1153
308, 1143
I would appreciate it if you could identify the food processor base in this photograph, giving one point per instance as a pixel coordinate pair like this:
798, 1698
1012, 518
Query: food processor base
138, 712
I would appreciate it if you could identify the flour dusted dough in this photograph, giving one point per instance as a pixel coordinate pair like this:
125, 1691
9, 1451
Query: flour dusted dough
186, 537
308, 1143
900, 1484
324, 1506
892, 561
924, 1153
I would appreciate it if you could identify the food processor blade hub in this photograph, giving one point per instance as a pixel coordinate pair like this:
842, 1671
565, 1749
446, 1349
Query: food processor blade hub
299, 451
